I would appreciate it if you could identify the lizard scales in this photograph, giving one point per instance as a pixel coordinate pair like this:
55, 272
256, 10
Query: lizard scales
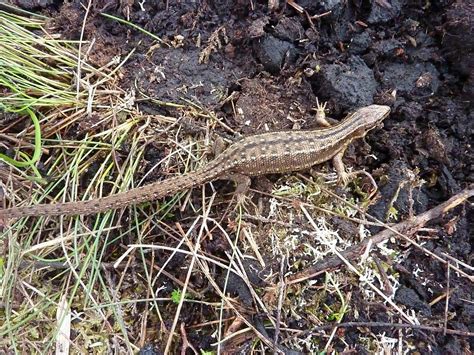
272, 152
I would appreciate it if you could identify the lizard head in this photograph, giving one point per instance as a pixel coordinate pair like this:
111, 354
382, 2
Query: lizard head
366, 118
372, 116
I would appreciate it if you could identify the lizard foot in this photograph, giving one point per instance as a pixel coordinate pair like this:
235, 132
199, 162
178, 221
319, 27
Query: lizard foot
329, 178
343, 178
242, 200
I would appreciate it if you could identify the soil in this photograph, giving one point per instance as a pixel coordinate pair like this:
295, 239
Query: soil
260, 69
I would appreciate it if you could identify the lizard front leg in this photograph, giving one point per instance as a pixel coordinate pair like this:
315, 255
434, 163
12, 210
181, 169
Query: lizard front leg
340, 168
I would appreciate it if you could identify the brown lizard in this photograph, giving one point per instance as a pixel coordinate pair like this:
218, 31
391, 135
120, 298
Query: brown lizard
266, 153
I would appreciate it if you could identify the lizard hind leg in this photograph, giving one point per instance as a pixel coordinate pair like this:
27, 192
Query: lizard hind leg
243, 184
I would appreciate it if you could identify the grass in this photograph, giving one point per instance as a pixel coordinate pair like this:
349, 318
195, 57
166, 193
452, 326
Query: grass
27, 161
37, 74
131, 24
36, 69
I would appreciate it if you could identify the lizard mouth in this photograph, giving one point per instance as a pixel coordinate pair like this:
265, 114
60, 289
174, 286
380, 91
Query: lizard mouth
377, 127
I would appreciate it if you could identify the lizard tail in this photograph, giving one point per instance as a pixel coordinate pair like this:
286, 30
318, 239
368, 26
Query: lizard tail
141, 194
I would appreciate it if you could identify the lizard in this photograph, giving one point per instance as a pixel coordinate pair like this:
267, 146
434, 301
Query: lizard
259, 154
